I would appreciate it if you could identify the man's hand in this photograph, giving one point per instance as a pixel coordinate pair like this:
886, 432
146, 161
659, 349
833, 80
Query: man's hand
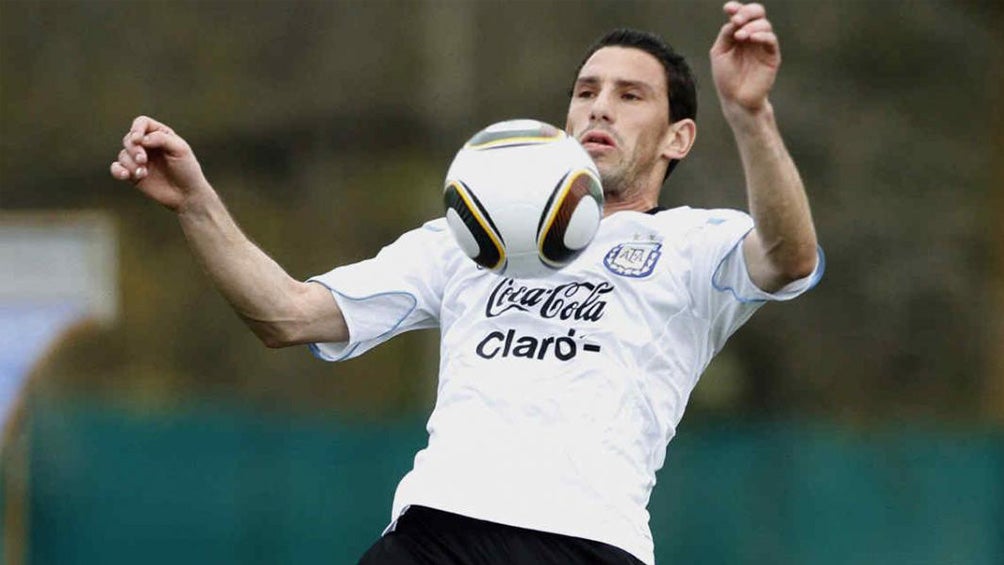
744, 63
159, 162
280, 310
745, 59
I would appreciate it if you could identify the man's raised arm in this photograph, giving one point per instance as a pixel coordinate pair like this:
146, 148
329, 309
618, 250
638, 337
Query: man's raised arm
744, 62
279, 309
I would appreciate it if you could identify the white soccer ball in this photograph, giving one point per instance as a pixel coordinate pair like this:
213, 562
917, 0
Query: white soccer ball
523, 199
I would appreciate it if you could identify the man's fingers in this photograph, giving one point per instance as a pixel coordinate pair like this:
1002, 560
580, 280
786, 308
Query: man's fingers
747, 12
752, 28
162, 137
143, 125
135, 135
144, 134
138, 129
765, 38
140, 126
136, 170
118, 171
127, 162
126, 167
739, 13
122, 173
747, 23
726, 38
134, 150
163, 140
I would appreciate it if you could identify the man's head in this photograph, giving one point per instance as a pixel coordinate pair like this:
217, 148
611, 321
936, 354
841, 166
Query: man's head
632, 106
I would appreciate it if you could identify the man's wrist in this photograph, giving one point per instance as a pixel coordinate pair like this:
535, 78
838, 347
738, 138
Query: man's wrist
199, 202
749, 122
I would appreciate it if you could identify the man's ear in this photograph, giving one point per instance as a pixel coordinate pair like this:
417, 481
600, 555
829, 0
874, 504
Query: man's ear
679, 139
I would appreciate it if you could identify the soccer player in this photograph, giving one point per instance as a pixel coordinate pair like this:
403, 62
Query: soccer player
557, 397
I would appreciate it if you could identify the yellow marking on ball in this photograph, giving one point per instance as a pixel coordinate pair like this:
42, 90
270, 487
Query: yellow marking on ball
516, 140
462, 191
558, 201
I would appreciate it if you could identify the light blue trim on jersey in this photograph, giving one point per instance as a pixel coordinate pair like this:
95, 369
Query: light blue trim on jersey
316, 351
820, 268
817, 275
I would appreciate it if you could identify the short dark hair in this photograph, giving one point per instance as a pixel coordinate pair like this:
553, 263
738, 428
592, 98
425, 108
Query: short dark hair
681, 86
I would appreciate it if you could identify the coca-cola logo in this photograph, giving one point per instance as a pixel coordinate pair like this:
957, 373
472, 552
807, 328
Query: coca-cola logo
581, 301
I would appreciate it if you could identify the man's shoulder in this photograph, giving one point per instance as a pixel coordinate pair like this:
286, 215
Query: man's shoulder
431, 230
435, 225
684, 219
431, 237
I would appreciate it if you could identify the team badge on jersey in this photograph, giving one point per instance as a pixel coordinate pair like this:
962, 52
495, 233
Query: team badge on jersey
636, 259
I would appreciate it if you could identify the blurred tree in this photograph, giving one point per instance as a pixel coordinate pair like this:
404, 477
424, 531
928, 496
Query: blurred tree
327, 128
996, 199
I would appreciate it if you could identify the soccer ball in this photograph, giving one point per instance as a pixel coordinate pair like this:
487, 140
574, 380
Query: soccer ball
523, 199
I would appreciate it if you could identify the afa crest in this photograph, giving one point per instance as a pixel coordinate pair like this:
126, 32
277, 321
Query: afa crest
636, 259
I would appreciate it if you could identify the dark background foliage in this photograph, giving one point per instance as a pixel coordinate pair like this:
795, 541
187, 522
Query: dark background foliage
327, 128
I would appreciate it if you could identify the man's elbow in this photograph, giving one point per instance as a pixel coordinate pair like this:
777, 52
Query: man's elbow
799, 265
311, 317
276, 335
274, 342
272, 335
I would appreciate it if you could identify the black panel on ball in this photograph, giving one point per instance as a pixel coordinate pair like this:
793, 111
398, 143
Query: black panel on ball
491, 246
566, 197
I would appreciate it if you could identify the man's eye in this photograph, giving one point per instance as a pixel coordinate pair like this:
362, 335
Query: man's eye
630, 96
584, 94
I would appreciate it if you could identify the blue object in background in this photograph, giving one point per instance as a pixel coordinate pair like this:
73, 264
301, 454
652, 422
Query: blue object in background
27, 330
227, 486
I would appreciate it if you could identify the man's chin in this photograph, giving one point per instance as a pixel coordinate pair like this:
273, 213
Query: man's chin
604, 168
600, 154
611, 183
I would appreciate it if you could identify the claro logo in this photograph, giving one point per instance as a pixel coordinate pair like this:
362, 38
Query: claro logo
580, 301
575, 302
511, 344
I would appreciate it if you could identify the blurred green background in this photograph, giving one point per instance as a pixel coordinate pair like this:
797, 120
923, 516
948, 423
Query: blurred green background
861, 423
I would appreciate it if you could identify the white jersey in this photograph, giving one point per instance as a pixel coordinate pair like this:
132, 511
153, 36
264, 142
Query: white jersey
557, 397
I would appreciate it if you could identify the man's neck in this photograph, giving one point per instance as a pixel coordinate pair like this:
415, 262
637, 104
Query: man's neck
639, 204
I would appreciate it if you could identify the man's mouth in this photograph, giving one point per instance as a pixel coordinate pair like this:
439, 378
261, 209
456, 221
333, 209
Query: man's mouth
596, 140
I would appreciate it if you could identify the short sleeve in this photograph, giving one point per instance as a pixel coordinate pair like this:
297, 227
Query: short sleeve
723, 290
732, 277
714, 235
398, 290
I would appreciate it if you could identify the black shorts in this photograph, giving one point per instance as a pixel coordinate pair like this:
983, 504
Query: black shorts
424, 536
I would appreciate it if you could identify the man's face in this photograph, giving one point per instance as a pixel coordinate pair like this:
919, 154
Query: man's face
620, 113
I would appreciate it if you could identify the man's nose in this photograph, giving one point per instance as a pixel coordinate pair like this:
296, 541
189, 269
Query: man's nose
601, 109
